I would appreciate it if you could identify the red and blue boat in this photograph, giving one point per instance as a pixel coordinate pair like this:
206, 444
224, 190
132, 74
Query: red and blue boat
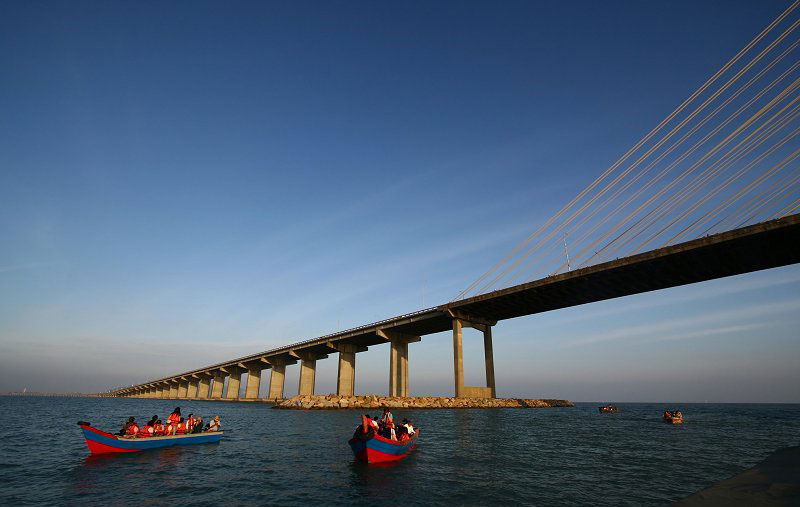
100, 442
370, 447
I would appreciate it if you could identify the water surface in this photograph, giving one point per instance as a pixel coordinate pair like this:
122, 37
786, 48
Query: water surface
561, 456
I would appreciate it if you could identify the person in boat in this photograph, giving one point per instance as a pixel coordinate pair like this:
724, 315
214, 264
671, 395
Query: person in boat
132, 428
169, 428
175, 416
190, 423
402, 434
146, 431
214, 425
387, 418
153, 420
198, 425
408, 426
124, 429
678, 414
158, 428
180, 428
667, 414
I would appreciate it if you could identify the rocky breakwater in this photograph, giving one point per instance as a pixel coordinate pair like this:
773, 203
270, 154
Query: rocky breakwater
334, 402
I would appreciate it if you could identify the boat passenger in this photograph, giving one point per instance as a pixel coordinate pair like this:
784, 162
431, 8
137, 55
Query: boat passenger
180, 428
158, 428
132, 429
190, 423
175, 416
146, 431
124, 429
402, 434
387, 418
198, 425
169, 429
153, 420
215, 424
408, 426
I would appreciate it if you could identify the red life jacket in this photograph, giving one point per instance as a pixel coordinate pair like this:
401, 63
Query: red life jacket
190, 424
158, 429
181, 429
133, 429
174, 418
146, 431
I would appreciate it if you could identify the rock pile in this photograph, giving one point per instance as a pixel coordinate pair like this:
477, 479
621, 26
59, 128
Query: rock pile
334, 402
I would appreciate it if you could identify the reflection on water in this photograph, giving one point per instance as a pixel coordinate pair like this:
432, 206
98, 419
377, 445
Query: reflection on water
554, 456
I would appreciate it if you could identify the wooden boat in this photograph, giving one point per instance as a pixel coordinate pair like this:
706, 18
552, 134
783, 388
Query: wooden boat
607, 409
100, 442
373, 448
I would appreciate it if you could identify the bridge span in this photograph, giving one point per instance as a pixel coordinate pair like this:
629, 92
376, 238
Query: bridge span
761, 246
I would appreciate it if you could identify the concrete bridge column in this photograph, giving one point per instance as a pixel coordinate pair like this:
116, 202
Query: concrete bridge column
458, 358
192, 391
253, 380
219, 383
276, 380
398, 361
234, 382
173, 389
160, 391
346, 379
488, 356
203, 386
183, 387
308, 372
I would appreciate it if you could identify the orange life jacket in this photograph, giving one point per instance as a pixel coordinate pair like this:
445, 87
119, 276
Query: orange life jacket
158, 429
181, 429
190, 424
145, 431
174, 418
133, 429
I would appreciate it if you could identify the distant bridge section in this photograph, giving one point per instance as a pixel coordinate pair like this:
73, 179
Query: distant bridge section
762, 246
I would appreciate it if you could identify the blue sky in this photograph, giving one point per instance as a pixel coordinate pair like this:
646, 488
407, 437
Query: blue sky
183, 183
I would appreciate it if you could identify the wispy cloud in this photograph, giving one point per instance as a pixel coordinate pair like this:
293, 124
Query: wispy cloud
27, 265
678, 327
708, 332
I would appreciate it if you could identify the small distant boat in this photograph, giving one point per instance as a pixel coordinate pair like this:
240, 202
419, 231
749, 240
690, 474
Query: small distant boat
100, 442
674, 417
608, 409
373, 448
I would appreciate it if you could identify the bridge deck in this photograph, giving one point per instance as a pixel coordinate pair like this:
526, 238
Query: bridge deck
762, 246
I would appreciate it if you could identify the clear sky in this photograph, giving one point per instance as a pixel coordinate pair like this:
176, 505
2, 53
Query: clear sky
186, 182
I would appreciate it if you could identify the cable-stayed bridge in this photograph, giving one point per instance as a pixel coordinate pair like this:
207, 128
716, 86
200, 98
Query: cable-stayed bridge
711, 191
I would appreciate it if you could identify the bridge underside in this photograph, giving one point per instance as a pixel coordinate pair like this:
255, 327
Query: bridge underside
762, 246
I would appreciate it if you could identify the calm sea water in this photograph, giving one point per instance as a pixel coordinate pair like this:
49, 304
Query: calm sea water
563, 456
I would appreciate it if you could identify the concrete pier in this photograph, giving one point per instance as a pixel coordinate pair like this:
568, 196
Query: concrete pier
462, 391
276, 380
234, 382
308, 372
173, 390
183, 388
192, 391
346, 376
203, 386
253, 380
219, 383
